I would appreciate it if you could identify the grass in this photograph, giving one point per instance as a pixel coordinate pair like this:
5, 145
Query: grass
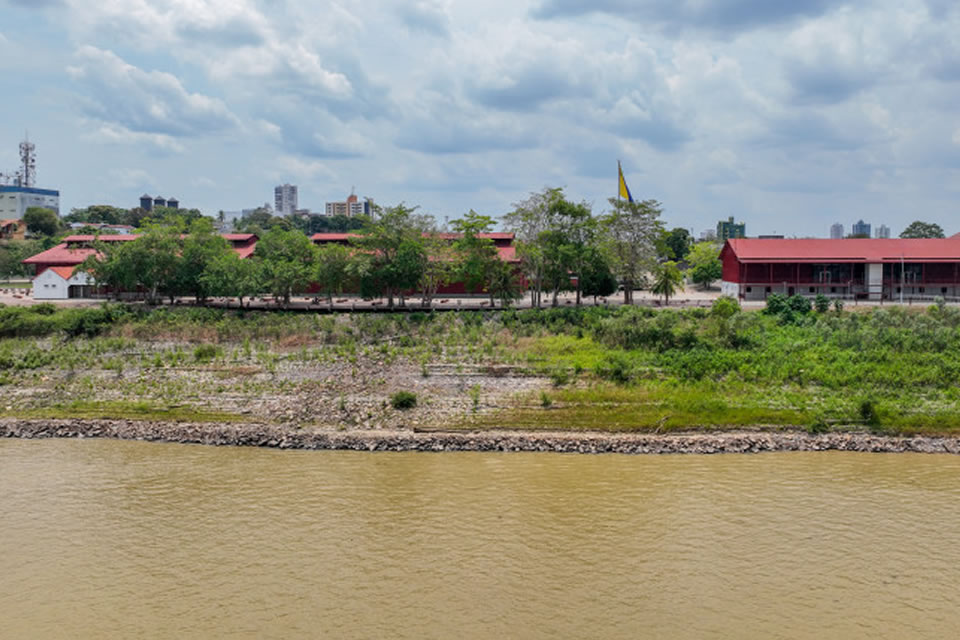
125, 410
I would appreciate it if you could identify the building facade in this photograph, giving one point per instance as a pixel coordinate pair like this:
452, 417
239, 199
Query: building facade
836, 231
861, 268
352, 206
860, 229
285, 199
883, 231
728, 229
14, 201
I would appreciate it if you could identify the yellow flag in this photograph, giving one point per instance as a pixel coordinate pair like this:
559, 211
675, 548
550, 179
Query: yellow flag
624, 190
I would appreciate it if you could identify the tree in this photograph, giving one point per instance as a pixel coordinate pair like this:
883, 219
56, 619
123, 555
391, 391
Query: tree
440, 267
41, 221
630, 231
288, 262
597, 279
918, 229
666, 280
13, 253
529, 220
229, 275
98, 213
478, 257
392, 255
200, 248
150, 263
679, 242
333, 269
705, 265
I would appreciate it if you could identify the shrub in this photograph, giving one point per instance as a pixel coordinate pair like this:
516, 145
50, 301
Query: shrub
838, 305
821, 303
206, 352
776, 304
725, 307
617, 368
403, 400
560, 376
545, 400
799, 304
868, 412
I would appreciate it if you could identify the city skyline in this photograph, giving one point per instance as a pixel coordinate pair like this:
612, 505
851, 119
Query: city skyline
453, 106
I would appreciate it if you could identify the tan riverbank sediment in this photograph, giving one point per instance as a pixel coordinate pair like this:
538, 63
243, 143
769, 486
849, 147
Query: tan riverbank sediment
261, 435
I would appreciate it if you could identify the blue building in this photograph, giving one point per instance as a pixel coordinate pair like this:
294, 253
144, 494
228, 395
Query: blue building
860, 229
14, 201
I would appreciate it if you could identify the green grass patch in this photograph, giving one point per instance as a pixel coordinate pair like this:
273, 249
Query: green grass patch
119, 410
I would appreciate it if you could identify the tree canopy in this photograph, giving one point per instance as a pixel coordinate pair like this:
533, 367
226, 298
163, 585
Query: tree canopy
919, 229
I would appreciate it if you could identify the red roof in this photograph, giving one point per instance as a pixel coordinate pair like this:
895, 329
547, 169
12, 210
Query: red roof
239, 237
63, 272
808, 250
61, 255
106, 237
333, 237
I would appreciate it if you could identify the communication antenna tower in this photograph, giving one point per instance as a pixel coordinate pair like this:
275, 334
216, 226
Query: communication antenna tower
28, 160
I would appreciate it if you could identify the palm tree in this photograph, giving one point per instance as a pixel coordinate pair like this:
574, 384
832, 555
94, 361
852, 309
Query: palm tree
666, 280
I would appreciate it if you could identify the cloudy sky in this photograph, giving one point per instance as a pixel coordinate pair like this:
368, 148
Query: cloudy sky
787, 115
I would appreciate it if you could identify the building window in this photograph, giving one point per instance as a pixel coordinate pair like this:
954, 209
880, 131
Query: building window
811, 289
921, 289
943, 290
749, 289
833, 289
768, 289
898, 289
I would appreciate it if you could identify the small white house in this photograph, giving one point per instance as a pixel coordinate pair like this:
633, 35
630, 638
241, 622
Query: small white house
61, 283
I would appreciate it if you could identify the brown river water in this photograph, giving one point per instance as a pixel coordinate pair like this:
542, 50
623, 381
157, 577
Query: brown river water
110, 539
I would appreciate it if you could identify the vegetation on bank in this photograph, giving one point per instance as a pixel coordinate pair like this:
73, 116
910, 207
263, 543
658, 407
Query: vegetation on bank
888, 369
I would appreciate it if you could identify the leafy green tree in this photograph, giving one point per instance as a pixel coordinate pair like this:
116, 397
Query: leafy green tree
630, 231
199, 248
679, 242
392, 255
333, 269
529, 221
149, 263
259, 219
596, 279
440, 267
13, 253
479, 259
98, 213
705, 265
666, 280
41, 221
918, 229
229, 275
288, 262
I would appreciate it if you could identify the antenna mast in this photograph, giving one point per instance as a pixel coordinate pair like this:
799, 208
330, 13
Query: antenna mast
28, 160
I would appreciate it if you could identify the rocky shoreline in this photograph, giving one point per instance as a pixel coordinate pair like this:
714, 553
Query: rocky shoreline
262, 435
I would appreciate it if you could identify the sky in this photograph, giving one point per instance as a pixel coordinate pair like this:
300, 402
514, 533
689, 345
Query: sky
788, 116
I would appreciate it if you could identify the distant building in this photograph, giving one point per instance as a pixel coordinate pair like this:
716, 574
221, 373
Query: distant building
860, 229
883, 231
352, 206
771, 236
147, 203
728, 229
708, 235
14, 201
285, 199
12, 230
836, 231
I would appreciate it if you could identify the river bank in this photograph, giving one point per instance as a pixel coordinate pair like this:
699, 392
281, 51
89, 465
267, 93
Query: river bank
280, 437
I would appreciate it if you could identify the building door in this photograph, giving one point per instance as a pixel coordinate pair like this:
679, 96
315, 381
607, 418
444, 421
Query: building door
790, 291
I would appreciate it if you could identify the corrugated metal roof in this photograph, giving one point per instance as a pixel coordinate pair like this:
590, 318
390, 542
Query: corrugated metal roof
817, 250
61, 255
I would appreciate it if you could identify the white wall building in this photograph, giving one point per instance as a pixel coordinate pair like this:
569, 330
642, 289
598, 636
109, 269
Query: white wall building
836, 231
61, 283
14, 201
285, 199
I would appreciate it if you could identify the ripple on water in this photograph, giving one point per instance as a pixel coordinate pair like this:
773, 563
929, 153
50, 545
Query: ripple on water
124, 539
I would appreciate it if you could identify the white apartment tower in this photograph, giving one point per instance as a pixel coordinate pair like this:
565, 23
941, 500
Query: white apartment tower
883, 231
836, 231
285, 199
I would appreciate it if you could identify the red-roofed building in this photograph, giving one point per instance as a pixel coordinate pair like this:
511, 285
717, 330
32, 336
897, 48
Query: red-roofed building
56, 275
874, 269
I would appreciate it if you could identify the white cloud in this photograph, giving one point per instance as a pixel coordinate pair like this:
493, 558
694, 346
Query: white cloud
144, 101
111, 133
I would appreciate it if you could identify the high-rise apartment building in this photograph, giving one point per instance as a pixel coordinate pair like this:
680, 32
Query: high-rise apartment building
352, 206
285, 199
836, 231
860, 229
727, 229
883, 231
